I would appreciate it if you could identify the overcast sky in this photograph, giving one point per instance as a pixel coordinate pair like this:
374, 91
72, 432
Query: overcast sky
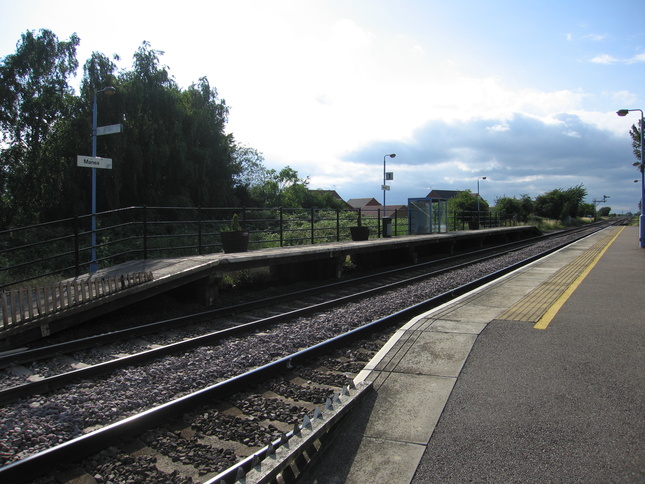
521, 92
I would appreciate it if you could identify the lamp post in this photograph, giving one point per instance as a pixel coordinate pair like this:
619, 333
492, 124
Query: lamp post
478, 213
391, 155
109, 90
641, 221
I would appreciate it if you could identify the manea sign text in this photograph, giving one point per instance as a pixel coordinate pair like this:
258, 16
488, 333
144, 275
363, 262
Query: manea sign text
94, 162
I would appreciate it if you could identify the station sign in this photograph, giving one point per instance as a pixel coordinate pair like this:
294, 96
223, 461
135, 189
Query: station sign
111, 129
94, 162
385, 187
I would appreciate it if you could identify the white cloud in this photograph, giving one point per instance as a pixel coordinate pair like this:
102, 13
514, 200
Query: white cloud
636, 58
608, 59
604, 59
596, 37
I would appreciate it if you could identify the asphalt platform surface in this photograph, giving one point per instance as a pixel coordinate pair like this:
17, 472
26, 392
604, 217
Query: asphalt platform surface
489, 397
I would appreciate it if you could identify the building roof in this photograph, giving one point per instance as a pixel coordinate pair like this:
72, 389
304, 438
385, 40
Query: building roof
445, 194
363, 202
391, 210
333, 193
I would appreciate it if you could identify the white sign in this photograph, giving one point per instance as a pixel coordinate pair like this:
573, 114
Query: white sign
385, 187
112, 129
94, 162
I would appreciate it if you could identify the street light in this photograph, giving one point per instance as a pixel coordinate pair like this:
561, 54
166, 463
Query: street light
108, 91
391, 155
641, 221
478, 213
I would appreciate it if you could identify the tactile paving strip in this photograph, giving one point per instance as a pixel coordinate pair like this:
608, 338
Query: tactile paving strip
537, 302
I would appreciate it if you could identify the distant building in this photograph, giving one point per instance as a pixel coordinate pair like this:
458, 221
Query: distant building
364, 202
370, 207
443, 194
396, 211
333, 193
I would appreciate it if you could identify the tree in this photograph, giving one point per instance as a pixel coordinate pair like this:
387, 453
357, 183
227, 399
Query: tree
465, 205
35, 100
586, 209
248, 172
466, 201
174, 150
559, 204
280, 189
636, 145
510, 209
604, 211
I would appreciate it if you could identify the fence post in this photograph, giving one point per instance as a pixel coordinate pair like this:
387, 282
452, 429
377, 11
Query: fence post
378, 216
199, 230
77, 256
281, 227
145, 233
338, 225
313, 239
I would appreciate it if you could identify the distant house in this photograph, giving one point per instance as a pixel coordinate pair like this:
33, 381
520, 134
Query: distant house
444, 194
370, 207
396, 211
364, 202
333, 193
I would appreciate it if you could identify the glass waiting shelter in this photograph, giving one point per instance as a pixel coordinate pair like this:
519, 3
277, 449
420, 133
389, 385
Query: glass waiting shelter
427, 215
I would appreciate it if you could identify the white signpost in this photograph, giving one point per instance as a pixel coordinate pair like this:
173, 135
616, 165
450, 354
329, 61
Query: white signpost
94, 162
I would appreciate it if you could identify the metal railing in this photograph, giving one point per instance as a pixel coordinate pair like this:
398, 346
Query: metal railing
62, 248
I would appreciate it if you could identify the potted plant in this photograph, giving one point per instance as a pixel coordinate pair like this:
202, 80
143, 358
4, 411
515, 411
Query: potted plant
235, 239
359, 232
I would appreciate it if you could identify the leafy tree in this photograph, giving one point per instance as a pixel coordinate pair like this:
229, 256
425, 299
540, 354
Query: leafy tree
466, 201
283, 188
604, 211
559, 204
636, 144
322, 199
510, 208
464, 205
35, 99
528, 206
174, 150
248, 166
586, 210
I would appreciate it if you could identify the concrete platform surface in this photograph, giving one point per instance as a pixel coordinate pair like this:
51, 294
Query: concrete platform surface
538, 377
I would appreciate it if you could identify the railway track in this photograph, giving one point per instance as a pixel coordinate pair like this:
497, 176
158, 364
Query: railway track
45, 368
274, 433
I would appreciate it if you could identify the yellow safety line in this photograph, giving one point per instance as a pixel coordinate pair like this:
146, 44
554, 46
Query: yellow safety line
548, 316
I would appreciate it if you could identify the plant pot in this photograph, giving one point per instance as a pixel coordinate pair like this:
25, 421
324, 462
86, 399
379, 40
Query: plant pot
360, 233
235, 241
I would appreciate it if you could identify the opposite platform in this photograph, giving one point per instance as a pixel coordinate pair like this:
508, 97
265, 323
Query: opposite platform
499, 386
22, 321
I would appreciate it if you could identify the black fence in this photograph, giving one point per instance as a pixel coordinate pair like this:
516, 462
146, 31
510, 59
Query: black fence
63, 248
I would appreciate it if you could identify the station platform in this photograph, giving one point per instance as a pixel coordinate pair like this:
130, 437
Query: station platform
537, 377
201, 275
